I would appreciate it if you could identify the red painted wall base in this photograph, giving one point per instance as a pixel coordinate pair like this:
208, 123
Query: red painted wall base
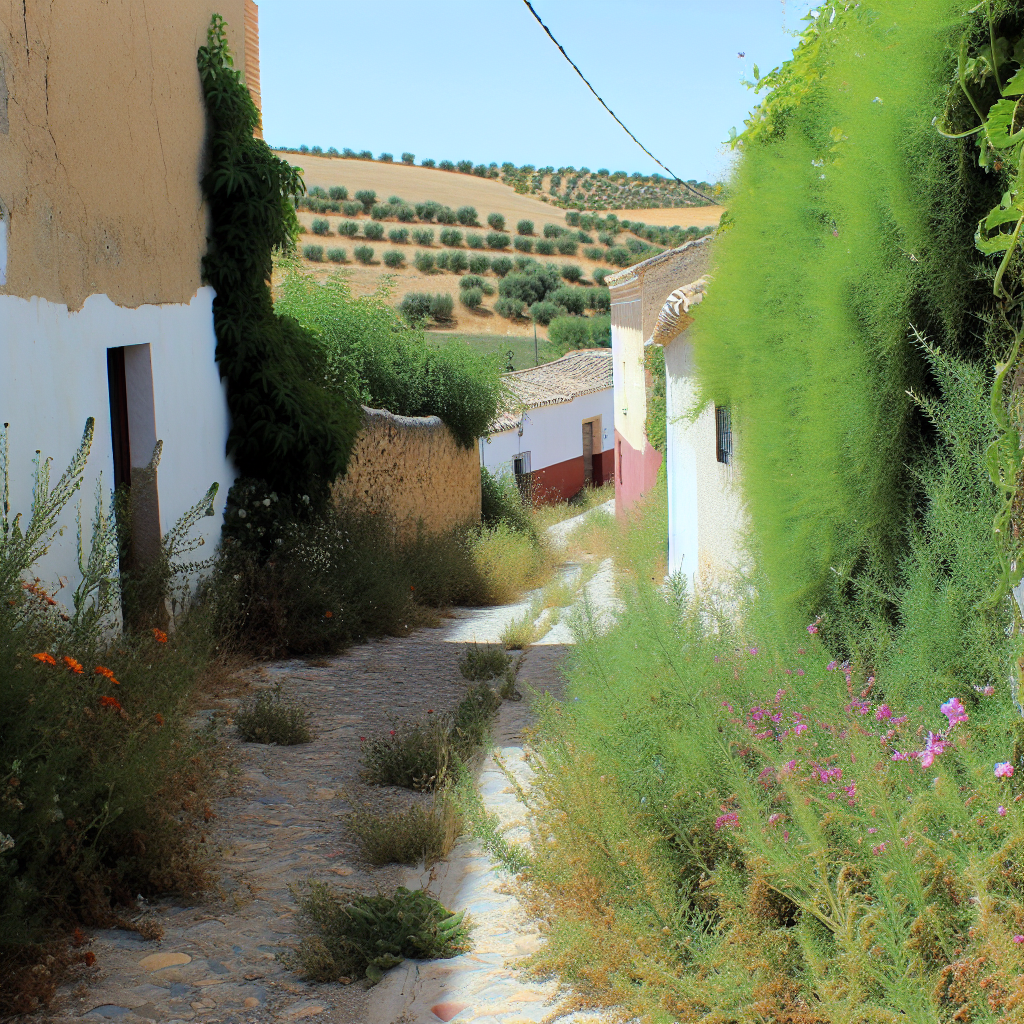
635, 473
561, 481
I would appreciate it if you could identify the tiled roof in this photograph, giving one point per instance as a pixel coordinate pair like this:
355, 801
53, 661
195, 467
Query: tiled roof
638, 270
577, 373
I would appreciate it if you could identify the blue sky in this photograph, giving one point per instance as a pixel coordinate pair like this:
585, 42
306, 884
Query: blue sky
479, 79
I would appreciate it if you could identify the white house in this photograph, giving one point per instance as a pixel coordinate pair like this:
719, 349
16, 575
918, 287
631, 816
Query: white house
556, 434
653, 304
103, 312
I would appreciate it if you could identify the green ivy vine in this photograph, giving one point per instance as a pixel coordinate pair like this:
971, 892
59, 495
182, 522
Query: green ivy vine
293, 419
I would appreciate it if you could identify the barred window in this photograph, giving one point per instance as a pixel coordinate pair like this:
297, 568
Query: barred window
723, 434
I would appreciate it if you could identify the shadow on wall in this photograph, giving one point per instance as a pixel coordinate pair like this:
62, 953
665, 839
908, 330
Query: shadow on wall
411, 470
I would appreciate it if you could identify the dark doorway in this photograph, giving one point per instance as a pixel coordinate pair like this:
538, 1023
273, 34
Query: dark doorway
117, 386
588, 453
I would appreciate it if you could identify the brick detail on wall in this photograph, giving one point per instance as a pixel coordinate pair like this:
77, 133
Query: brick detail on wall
411, 470
252, 56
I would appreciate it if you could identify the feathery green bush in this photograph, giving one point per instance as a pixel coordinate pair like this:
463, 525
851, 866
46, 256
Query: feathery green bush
593, 252
467, 216
508, 307
471, 297
314, 253
501, 265
373, 230
363, 253
545, 247
321, 226
423, 236
553, 231
574, 300
451, 237
352, 208
443, 259
497, 240
424, 262
566, 245
524, 227
393, 258
338, 192
544, 312
457, 261
337, 255
367, 197
381, 211
496, 221
479, 264
474, 241
571, 272
522, 243
442, 305
348, 227
446, 215
400, 236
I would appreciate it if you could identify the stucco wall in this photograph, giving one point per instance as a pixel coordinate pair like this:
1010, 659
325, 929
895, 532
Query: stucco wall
102, 134
412, 470
706, 518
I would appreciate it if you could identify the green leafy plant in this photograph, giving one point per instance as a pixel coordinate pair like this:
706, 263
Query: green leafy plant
338, 192
479, 264
442, 305
337, 255
474, 241
510, 308
373, 231
553, 231
569, 332
566, 245
483, 662
416, 835
363, 253
423, 236
522, 243
409, 158
386, 158
405, 213
599, 275
451, 237
314, 253
571, 272
393, 258
381, 211
321, 226
497, 240
292, 421
545, 247
364, 936
367, 197
352, 208
270, 717
348, 227
457, 261
544, 312
467, 216
399, 236
424, 262
444, 259
475, 281
593, 252
446, 215
471, 297
496, 221
524, 227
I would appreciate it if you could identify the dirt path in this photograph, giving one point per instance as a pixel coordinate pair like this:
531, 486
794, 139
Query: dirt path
219, 960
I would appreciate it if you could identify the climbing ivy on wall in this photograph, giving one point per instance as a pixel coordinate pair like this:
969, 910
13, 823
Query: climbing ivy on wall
293, 417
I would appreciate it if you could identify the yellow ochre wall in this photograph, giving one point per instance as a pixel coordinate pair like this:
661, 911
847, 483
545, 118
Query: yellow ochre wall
411, 470
102, 135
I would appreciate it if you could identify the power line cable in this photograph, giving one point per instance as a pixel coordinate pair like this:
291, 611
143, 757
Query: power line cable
685, 185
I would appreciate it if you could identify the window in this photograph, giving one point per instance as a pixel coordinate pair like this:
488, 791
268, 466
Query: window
723, 434
524, 478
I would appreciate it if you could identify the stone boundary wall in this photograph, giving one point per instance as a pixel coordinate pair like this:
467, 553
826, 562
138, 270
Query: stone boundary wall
411, 470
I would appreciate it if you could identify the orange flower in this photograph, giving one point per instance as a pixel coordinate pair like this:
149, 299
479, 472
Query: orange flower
90, 958
161, 636
45, 659
102, 670
110, 702
74, 666
158, 718
328, 615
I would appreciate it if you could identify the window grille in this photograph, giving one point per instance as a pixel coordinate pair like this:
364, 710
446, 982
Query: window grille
723, 434
523, 476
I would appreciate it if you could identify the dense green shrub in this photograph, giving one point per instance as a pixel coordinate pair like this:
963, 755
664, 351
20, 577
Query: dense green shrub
522, 243
393, 258
427, 163
444, 259
363, 253
465, 166
352, 208
524, 262
600, 273
451, 236
531, 285
314, 253
497, 240
457, 261
601, 330
367, 197
599, 298
321, 226
423, 236
479, 264
572, 218
574, 300
293, 419
442, 305
508, 307
500, 499
365, 154
424, 262
415, 306
318, 191
348, 227
337, 255
446, 215
404, 213
570, 332
583, 237
545, 247
571, 272
619, 255
381, 211
471, 297
446, 165
593, 252
474, 241
338, 192
501, 265
270, 717
386, 158
373, 230
472, 281
553, 231
467, 216
408, 158
544, 312
524, 227
414, 836
400, 236
605, 238
567, 245
496, 221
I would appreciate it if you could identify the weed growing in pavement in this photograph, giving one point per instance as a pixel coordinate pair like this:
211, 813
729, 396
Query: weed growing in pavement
483, 661
417, 835
354, 936
271, 718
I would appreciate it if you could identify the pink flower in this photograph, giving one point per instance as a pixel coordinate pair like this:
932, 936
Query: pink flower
1018, 939
730, 820
1001, 811
753, 650
935, 746
833, 665
1004, 770
987, 691
879, 849
882, 713
799, 671
775, 819
954, 711
872, 830
812, 628
800, 727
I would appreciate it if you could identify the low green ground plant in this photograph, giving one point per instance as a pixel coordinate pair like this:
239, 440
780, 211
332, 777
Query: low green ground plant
417, 835
483, 662
353, 937
270, 717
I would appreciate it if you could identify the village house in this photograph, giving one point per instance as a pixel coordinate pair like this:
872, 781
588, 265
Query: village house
555, 435
652, 304
103, 312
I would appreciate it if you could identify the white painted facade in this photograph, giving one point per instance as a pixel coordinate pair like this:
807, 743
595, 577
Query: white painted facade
54, 376
705, 508
552, 433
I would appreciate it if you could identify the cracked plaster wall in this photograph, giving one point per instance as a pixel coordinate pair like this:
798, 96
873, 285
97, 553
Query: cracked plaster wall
103, 148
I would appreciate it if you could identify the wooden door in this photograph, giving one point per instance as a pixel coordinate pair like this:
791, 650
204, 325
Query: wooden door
588, 453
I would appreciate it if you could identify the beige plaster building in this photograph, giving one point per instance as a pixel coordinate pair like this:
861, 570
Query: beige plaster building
102, 229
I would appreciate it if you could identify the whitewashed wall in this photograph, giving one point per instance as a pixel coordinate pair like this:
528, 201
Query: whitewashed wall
552, 433
705, 510
53, 376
